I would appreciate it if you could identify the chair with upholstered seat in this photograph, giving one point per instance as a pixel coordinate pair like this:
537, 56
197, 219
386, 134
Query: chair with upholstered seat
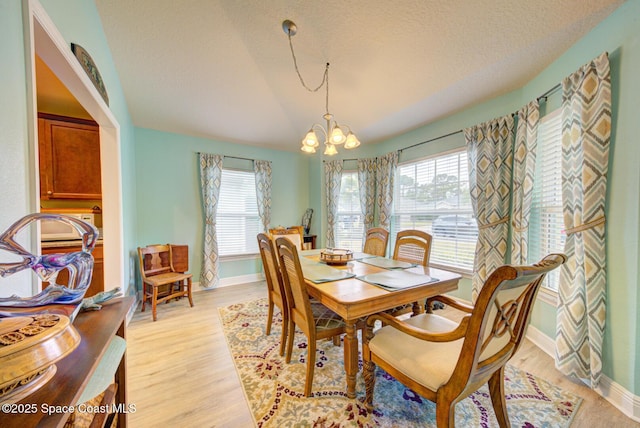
293, 233
314, 319
445, 361
276, 293
160, 281
375, 242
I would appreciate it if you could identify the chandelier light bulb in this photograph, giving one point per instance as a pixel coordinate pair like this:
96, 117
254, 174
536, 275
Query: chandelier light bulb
311, 139
352, 142
337, 136
330, 150
308, 149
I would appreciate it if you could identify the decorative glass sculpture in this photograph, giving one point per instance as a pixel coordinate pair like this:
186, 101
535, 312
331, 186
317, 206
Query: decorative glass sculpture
47, 266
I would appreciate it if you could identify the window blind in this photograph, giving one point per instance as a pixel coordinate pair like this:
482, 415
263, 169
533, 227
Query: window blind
350, 226
238, 222
432, 195
546, 225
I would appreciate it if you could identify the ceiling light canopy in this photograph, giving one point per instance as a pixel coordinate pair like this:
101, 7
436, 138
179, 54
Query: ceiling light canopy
333, 133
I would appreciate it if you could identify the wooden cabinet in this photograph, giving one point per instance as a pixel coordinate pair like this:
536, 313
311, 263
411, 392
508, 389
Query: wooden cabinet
69, 151
97, 280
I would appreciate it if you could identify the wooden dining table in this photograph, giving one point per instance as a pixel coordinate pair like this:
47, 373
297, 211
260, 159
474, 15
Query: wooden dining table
354, 299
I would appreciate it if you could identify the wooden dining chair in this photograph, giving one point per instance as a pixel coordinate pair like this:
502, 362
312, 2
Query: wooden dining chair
315, 320
412, 246
445, 361
375, 242
275, 287
293, 233
160, 282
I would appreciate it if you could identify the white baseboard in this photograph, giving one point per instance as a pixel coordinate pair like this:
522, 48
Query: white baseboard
233, 280
613, 392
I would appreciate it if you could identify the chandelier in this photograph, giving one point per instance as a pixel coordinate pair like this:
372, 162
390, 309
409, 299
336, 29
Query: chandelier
333, 134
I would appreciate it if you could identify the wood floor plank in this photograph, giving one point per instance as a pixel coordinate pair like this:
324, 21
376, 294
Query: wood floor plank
180, 371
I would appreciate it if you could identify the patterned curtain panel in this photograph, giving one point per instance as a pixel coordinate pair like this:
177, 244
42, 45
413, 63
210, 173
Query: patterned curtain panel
332, 181
385, 173
367, 188
490, 150
210, 178
586, 132
524, 164
263, 191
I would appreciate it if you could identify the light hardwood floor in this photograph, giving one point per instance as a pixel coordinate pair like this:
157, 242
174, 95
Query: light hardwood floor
180, 371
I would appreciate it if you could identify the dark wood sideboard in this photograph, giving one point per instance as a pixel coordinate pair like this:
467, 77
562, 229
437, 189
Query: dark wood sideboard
96, 329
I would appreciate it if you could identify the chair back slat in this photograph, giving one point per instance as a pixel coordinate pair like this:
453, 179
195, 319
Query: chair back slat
294, 233
502, 312
413, 246
271, 267
375, 242
154, 260
294, 286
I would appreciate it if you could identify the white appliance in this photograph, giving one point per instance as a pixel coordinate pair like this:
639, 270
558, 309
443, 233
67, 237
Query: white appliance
53, 230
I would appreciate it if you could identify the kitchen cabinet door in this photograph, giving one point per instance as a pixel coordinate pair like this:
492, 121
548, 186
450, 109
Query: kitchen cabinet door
97, 279
69, 158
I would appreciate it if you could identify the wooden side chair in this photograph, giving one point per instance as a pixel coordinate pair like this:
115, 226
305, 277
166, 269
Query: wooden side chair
293, 233
412, 246
444, 361
314, 319
275, 287
375, 242
160, 282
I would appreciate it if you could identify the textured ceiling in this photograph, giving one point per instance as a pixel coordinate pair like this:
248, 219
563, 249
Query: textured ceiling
222, 69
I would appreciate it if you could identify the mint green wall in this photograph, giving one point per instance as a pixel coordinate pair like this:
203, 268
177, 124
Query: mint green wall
15, 153
77, 21
619, 34
168, 191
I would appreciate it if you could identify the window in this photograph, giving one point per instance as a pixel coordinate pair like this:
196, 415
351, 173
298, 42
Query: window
546, 225
433, 195
238, 222
350, 225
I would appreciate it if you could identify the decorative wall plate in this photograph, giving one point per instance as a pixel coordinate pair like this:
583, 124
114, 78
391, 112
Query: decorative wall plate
91, 69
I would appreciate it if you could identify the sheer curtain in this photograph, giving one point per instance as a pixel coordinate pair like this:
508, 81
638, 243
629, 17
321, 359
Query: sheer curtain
210, 179
332, 181
524, 164
385, 174
262, 170
490, 150
367, 189
586, 134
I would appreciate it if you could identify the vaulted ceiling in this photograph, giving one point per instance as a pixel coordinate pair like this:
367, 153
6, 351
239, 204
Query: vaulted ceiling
222, 69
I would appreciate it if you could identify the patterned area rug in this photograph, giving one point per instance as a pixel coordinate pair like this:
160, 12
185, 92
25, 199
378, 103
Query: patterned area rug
274, 389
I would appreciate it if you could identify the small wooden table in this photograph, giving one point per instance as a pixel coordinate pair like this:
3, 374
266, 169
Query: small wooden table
353, 299
310, 239
96, 329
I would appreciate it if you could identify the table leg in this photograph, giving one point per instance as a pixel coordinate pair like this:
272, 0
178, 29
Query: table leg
351, 357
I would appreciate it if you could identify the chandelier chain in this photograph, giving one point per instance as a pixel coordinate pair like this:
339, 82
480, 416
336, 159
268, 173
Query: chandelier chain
325, 76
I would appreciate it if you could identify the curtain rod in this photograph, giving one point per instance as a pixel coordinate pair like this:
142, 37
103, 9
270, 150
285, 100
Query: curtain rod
232, 157
432, 139
549, 92
545, 95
